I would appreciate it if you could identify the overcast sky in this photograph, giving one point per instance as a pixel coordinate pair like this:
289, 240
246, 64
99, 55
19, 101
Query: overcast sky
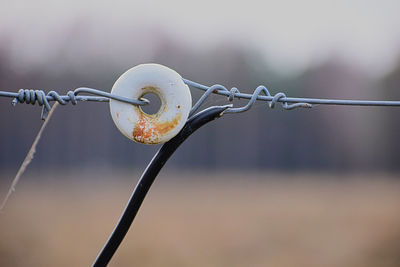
292, 34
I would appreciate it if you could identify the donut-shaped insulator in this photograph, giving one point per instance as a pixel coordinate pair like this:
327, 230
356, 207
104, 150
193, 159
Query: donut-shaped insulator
175, 97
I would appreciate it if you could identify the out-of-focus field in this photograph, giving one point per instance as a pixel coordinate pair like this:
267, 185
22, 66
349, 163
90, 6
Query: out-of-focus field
215, 219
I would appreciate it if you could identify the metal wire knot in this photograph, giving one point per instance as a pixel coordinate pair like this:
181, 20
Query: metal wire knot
30, 96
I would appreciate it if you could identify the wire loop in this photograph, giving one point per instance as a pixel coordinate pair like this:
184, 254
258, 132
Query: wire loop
234, 92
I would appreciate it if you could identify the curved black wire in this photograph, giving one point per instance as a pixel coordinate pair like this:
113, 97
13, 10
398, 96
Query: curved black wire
147, 179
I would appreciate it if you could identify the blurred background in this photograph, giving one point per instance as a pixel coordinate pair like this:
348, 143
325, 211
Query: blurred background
330, 173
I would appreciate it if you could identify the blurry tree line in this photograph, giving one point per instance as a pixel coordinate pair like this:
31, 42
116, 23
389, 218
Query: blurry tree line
335, 138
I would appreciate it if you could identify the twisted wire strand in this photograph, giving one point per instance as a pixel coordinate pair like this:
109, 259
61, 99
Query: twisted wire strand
262, 93
234, 92
30, 96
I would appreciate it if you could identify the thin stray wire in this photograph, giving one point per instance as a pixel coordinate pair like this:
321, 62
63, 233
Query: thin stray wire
27, 159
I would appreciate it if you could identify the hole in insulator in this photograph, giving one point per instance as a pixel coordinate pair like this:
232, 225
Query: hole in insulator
154, 106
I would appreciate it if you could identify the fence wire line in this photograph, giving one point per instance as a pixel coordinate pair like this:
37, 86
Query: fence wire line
261, 93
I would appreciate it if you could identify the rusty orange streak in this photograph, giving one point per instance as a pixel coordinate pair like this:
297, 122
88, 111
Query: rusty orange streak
149, 131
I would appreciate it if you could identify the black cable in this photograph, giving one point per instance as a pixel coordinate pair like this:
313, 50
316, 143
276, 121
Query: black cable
147, 179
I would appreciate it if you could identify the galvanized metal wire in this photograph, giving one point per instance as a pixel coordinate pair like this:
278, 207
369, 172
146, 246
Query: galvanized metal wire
261, 93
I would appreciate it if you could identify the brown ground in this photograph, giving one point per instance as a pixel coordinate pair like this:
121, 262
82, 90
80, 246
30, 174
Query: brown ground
215, 220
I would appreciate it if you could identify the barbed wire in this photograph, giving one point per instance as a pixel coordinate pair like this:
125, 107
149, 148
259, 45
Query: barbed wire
261, 93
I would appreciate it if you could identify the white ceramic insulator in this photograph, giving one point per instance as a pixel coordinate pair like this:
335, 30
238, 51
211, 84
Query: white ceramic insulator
175, 97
